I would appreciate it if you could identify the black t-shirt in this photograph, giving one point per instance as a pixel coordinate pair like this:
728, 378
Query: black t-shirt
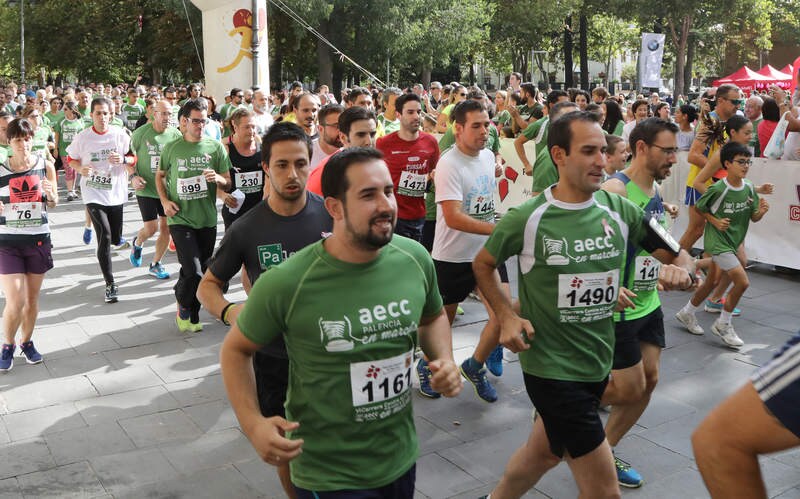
261, 238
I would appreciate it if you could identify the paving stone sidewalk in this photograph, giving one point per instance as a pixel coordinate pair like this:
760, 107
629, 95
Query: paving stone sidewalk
126, 406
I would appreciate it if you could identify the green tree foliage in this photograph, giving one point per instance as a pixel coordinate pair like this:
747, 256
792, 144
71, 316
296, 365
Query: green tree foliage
609, 36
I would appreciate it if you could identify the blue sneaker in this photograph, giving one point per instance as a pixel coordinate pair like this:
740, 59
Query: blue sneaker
483, 388
7, 357
32, 356
715, 307
136, 254
627, 476
424, 375
158, 271
495, 361
87, 235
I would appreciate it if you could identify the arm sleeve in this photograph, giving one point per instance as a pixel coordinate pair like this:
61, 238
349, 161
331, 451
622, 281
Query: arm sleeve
228, 259
507, 237
261, 320
754, 205
448, 184
433, 300
707, 199
74, 149
531, 130
224, 163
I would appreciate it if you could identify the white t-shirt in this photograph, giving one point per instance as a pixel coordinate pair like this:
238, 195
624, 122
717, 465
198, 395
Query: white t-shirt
317, 154
790, 147
105, 185
263, 122
627, 128
469, 179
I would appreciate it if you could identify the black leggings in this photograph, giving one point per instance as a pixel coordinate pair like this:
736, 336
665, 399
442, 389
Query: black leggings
107, 221
193, 248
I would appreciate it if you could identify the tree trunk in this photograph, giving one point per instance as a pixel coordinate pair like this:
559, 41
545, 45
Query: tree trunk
471, 61
583, 48
687, 77
568, 77
680, 36
324, 60
337, 73
426, 74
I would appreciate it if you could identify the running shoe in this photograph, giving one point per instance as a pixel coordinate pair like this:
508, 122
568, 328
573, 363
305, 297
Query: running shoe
111, 293
424, 375
158, 271
726, 332
195, 327
715, 307
71, 196
689, 321
7, 357
459, 310
495, 361
32, 356
123, 244
626, 475
136, 254
184, 324
87, 235
171, 244
483, 388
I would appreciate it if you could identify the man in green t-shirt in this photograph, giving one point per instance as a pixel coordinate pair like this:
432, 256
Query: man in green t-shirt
570, 242
5, 148
350, 340
639, 329
55, 114
537, 131
147, 143
545, 172
190, 171
131, 111
388, 119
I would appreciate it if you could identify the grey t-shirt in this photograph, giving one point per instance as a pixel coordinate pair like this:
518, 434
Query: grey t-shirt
261, 238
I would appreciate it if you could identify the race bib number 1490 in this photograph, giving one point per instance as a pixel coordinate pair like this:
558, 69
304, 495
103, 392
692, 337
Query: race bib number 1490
587, 297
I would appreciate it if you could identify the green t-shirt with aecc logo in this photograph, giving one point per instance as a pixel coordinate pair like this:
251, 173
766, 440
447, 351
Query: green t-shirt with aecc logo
148, 144
725, 201
187, 187
351, 357
569, 257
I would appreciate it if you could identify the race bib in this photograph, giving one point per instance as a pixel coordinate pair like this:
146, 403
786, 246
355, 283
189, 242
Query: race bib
192, 188
587, 297
99, 180
380, 388
482, 208
412, 184
155, 162
646, 277
249, 182
23, 214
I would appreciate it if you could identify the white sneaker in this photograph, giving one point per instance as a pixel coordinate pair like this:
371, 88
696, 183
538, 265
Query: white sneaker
726, 332
689, 321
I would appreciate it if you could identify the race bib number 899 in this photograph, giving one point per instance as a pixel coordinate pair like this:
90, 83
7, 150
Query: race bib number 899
380, 388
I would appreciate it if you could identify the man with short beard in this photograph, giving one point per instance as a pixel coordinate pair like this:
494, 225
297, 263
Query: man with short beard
345, 434
411, 156
329, 141
639, 329
285, 222
305, 109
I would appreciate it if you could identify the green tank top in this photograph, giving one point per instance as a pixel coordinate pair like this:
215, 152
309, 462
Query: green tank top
640, 273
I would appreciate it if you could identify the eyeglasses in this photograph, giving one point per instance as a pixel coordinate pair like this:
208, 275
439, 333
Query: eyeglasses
669, 151
744, 162
462, 95
198, 121
334, 125
239, 95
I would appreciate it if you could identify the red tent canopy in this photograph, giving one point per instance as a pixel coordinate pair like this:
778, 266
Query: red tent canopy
788, 69
783, 80
745, 78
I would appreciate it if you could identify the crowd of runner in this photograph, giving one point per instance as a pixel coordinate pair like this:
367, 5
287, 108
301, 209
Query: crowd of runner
315, 191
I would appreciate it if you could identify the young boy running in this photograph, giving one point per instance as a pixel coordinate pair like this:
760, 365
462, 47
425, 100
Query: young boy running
728, 205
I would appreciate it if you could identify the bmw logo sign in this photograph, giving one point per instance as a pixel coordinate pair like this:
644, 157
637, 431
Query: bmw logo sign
653, 45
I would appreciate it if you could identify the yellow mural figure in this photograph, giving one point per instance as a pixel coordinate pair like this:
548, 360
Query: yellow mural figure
243, 25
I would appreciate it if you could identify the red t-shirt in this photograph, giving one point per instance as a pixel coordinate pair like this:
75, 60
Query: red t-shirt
314, 182
409, 163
